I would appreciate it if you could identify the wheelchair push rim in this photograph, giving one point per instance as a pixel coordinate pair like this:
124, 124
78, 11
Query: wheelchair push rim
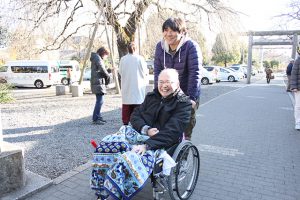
186, 172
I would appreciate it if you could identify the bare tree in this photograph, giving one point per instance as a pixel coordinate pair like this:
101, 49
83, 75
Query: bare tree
290, 16
123, 16
22, 46
294, 12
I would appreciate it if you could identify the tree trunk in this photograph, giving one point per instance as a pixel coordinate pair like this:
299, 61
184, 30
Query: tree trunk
122, 47
126, 34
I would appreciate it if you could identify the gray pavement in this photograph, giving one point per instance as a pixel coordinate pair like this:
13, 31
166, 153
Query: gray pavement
248, 147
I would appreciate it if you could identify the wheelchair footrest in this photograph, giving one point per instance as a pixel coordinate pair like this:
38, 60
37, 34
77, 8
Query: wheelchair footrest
158, 166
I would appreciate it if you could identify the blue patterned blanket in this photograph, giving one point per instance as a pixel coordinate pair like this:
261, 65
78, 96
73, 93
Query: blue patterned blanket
116, 169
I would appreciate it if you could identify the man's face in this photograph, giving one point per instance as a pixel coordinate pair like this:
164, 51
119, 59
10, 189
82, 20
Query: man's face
166, 84
171, 37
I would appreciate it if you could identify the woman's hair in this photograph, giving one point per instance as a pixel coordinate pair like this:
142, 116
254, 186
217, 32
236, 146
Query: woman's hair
173, 73
176, 24
102, 51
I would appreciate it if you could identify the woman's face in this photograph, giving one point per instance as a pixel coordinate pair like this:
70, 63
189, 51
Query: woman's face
105, 56
171, 37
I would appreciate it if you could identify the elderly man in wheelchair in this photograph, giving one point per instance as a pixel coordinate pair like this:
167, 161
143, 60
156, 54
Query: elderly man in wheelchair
153, 146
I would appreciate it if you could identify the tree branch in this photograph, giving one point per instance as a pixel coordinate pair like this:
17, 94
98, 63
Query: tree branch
55, 41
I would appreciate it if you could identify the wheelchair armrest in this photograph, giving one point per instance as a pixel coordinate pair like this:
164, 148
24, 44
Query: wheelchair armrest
172, 149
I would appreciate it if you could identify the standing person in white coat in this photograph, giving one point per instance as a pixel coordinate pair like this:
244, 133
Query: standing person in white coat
134, 76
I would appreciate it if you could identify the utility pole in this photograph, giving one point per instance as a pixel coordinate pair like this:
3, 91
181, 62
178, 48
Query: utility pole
295, 43
249, 65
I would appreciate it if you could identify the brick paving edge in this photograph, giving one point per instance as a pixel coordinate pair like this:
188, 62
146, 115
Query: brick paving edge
71, 173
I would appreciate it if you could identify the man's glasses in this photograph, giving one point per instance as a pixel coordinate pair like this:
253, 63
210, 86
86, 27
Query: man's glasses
165, 82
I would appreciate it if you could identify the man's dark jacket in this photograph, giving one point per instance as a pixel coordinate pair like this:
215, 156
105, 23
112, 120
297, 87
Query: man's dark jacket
169, 115
295, 76
187, 61
289, 69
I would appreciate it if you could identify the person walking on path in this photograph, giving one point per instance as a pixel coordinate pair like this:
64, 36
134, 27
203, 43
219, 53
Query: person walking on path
99, 80
176, 50
69, 75
268, 74
288, 74
295, 87
133, 70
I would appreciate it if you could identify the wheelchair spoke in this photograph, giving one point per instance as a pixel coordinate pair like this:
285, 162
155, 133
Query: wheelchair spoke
184, 176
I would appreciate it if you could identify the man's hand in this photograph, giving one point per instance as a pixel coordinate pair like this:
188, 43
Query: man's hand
152, 131
193, 104
139, 149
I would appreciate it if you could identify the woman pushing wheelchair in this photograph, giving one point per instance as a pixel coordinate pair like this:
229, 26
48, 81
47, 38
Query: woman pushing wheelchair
123, 161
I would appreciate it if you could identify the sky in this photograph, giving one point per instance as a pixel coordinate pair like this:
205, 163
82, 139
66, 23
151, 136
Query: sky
259, 14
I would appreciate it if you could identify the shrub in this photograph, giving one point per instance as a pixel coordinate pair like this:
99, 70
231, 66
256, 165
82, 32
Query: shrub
5, 95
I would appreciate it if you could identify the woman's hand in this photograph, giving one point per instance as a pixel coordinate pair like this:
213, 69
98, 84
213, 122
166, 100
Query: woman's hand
152, 131
139, 149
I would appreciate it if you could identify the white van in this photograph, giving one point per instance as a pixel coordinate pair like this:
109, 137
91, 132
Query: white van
63, 68
28, 73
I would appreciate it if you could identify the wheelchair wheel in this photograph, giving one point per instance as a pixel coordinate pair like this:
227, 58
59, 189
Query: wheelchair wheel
183, 178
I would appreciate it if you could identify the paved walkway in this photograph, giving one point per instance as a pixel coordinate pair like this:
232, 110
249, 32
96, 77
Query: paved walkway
248, 147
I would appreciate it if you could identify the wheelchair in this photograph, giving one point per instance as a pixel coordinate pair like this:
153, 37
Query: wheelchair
183, 177
182, 180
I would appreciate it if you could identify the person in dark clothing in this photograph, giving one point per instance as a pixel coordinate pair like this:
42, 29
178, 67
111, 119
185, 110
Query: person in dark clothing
176, 50
99, 80
164, 114
69, 76
268, 74
295, 88
288, 74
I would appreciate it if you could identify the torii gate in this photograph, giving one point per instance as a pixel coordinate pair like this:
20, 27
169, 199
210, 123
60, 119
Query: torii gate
251, 43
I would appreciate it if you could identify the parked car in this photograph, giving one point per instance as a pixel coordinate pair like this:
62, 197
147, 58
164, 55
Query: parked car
244, 68
240, 69
207, 77
240, 75
254, 71
150, 65
3, 74
215, 70
87, 74
64, 65
226, 74
28, 73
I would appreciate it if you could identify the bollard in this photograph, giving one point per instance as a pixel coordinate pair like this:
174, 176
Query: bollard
60, 90
77, 90
12, 173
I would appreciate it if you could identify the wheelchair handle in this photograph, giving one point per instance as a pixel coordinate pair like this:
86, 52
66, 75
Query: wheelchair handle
94, 144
